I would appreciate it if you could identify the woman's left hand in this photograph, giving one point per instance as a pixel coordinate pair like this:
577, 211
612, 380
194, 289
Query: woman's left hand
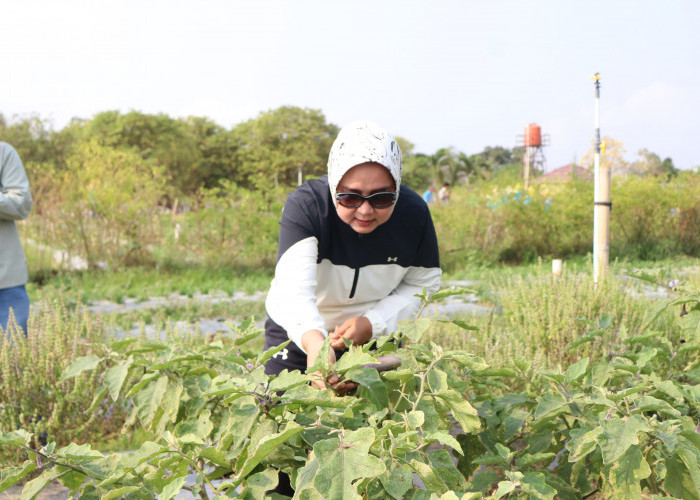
358, 330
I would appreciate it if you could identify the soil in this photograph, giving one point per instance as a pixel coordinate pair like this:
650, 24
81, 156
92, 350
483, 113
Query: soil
53, 491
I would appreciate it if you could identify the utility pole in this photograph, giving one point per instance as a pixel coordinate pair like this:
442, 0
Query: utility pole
602, 205
527, 168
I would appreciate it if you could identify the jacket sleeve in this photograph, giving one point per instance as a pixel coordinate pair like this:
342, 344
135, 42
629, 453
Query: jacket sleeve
424, 274
15, 199
402, 303
291, 300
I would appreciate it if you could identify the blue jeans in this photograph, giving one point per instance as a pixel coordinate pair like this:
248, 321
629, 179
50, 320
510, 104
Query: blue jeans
17, 299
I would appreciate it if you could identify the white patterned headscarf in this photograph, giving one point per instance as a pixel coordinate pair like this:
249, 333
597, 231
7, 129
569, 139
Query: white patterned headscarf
363, 142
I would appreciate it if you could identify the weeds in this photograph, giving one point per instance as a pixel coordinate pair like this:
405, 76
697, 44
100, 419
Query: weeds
190, 312
142, 283
536, 316
31, 395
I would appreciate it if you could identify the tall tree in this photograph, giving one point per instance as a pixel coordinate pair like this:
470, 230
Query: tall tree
160, 139
611, 157
217, 147
30, 136
271, 148
406, 146
496, 156
470, 167
437, 167
650, 163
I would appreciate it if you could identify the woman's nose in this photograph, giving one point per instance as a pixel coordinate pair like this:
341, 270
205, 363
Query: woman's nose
365, 208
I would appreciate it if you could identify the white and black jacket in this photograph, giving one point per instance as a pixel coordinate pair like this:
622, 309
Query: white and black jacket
327, 273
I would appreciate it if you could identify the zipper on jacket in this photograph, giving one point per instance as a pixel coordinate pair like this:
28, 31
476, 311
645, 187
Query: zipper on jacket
354, 283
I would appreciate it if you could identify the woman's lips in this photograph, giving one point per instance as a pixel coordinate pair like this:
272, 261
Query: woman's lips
364, 223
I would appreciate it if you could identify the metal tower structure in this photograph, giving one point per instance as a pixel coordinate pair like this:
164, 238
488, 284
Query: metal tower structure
533, 141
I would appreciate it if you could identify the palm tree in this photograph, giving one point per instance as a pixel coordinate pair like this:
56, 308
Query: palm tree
437, 166
467, 167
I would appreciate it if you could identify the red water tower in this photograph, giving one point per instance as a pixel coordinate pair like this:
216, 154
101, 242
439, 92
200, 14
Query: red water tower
532, 142
533, 135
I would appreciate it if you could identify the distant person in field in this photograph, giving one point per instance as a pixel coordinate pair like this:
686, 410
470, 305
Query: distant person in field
444, 193
15, 204
355, 246
429, 195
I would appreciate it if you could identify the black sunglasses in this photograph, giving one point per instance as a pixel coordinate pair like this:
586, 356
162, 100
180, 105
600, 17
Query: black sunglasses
377, 200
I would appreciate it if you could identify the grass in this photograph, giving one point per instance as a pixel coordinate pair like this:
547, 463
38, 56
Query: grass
486, 277
189, 312
533, 316
181, 295
126, 441
536, 315
685, 264
34, 397
32, 393
142, 283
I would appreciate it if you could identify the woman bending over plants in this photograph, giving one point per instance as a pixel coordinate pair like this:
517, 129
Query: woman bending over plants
355, 246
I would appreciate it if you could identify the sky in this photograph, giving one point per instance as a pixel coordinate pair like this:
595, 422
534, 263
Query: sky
440, 73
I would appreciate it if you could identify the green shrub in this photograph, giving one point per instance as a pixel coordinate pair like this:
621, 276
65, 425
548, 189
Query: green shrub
33, 397
654, 218
485, 223
618, 423
536, 316
227, 226
216, 414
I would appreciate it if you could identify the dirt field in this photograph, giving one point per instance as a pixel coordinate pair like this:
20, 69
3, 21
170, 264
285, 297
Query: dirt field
53, 491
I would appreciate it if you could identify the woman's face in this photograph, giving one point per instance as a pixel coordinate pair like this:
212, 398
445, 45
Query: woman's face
365, 179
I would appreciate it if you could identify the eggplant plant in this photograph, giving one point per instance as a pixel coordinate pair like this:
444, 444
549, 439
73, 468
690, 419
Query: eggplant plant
622, 423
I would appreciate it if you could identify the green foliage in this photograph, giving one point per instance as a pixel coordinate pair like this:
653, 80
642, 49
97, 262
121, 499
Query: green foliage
193, 165
423, 169
143, 282
650, 163
497, 156
448, 165
546, 312
536, 315
229, 226
33, 396
217, 415
172, 145
666, 229
488, 222
405, 145
110, 194
115, 228
621, 422
31, 137
273, 146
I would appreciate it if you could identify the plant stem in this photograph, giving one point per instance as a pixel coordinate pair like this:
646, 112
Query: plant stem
200, 472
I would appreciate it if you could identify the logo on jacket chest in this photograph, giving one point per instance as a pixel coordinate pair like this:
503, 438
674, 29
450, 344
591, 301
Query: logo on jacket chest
392, 259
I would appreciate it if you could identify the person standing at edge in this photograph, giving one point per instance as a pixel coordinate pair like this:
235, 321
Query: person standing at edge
429, 195
354, 247
444, 193
15, 204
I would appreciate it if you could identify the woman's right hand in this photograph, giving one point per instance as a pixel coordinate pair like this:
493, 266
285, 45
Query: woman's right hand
312, 342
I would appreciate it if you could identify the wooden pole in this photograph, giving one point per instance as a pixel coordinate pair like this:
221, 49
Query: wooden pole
527, 167
526, 158
601, 201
